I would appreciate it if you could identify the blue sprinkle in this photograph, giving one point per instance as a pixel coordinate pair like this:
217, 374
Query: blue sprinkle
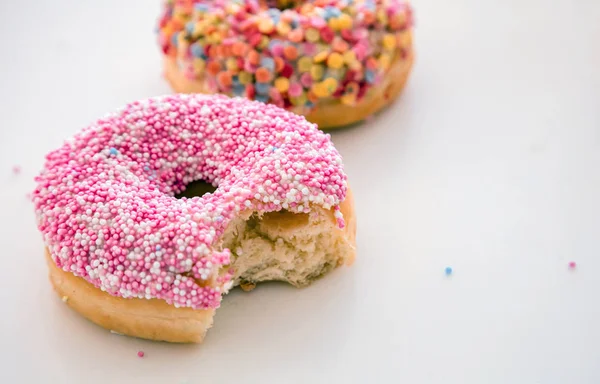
309, 104
113, 151
268, 63
448, 271
201, 7
273, 149
294, 23
275, 14
370, 76
158, 247
331, 12
197, 50
146, 168
238, 89
262, 98
262, 88
235, 79
189, 27
174, 39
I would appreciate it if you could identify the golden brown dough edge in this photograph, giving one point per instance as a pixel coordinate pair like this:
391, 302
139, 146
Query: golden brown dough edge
152, 319
327, 116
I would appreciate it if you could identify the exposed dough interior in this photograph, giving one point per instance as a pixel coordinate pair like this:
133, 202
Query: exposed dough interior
292, 247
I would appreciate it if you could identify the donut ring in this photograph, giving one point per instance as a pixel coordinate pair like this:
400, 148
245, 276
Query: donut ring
128, 255
334, 61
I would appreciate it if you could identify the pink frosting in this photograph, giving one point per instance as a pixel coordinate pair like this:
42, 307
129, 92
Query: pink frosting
105, 200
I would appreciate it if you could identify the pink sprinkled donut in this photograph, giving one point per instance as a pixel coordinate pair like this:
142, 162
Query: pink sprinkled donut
334, 61
130, 256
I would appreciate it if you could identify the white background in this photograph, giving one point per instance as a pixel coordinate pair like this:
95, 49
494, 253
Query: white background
488, 163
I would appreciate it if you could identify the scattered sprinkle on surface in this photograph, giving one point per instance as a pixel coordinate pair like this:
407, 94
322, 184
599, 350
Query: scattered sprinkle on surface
572, 265
140, 353
105, 201
448, 271
65, 299
16, 169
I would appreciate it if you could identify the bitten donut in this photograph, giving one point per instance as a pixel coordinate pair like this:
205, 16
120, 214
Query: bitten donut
127, 254
334, 61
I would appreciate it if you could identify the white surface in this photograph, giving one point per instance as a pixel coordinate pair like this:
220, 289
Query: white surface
488, 163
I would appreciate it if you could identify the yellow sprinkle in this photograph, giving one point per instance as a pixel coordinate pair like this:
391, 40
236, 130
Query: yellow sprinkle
384, 61
244, 77
299, 100
389, 41
167, 30
400, 18
199, 65
331, 84
232, 8
382, 17
180, 15
334, 23
312, 35
345, 21
304, 64
321, 56
320, 89
335, 60
356, 66
349, 57
264, 42
214, 38
283, 28
282, 84
317, 71
231, 64
266, 25
199, 28
65, 299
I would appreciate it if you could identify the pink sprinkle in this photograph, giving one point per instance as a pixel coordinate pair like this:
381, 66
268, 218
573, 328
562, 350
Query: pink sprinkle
295, 90
16, 169
140, 353
572, 264
306, 80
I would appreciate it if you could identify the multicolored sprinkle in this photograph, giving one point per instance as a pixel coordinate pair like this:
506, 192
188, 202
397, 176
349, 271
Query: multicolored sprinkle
295, 58
105, 200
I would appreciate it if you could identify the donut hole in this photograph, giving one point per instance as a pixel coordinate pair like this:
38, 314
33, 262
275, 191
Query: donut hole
196, 188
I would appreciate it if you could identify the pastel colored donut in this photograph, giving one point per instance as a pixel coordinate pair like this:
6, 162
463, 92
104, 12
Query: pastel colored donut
334, 61
126, 253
